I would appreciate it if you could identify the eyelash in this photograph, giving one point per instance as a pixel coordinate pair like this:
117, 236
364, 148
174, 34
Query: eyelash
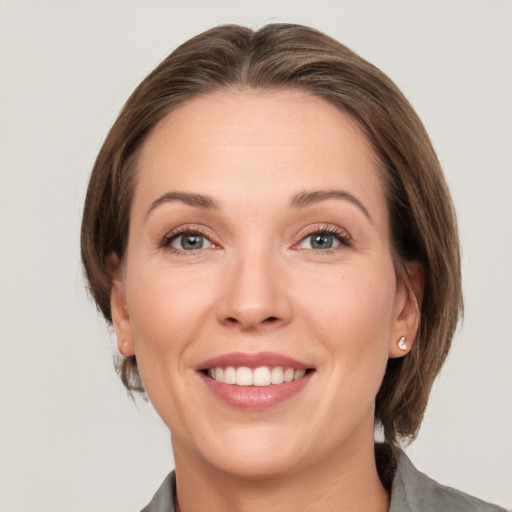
327, 229
171, 237
339, 234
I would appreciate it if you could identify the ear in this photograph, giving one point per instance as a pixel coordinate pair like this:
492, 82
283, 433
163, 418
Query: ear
407, 309
119, 308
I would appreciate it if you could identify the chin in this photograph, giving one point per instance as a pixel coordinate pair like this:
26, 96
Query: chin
254, 455
257, 466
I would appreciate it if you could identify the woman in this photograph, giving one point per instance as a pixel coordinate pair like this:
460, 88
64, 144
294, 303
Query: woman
268, 229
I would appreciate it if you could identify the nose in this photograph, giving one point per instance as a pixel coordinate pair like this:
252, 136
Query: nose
254, 294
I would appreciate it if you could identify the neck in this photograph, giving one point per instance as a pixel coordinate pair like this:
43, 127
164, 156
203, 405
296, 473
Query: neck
346, 483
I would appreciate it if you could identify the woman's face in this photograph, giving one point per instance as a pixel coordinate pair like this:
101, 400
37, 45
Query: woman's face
259, 248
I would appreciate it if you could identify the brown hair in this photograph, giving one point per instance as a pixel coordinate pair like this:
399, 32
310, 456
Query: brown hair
423, 223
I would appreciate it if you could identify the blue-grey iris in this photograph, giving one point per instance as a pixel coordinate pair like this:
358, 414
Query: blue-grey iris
191, 242
321, 241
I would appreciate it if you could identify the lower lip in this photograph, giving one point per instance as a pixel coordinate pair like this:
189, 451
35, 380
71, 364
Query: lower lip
255, 397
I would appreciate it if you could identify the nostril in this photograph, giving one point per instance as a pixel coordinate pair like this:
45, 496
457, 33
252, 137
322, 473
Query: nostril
251, 318
269, 320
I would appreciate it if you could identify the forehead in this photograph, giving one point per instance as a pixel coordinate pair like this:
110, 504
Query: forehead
266, 143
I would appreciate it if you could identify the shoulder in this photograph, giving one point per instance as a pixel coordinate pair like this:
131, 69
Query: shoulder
163, 500
413, 491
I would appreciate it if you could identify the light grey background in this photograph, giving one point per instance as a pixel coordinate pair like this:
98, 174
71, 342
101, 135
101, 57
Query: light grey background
69, 437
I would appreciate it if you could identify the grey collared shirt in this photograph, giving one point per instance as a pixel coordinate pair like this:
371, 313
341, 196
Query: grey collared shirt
412, 491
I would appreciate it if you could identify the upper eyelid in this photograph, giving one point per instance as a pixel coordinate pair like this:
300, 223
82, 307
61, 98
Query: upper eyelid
320, 227
341, 234
332, 229
171, 235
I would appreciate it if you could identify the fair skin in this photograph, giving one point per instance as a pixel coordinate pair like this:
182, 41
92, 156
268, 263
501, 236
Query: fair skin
263, 266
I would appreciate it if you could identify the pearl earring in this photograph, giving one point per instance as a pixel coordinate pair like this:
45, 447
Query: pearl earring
402, 345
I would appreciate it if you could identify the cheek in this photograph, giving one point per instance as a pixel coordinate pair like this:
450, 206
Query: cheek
352, 313
167, 310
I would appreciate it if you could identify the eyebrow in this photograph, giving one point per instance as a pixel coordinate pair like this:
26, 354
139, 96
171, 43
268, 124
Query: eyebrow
195, 200
301, 200
306, 198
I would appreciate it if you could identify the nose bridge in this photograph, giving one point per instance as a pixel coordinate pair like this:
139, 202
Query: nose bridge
255, 291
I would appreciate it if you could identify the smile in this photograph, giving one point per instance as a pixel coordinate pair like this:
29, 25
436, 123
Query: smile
254, 381
260, 376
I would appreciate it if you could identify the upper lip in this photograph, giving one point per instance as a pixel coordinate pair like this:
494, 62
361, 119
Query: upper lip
253, 361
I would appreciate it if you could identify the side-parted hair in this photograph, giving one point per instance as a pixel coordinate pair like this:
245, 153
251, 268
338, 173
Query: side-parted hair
295, 57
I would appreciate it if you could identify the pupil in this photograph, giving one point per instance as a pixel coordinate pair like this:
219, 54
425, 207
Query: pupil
321, 242
192, 242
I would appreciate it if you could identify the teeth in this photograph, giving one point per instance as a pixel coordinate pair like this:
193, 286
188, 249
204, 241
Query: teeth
297, 374
288, 374
243, 376
277, 375
261, 376
229, 375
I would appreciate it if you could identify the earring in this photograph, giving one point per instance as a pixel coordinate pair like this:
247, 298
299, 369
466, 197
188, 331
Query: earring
402, 345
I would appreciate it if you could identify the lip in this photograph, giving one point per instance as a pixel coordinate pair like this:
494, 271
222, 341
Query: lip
253, 361
254, 397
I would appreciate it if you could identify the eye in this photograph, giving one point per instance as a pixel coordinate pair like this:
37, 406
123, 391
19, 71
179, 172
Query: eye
187, 241
325, 239
319, 241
